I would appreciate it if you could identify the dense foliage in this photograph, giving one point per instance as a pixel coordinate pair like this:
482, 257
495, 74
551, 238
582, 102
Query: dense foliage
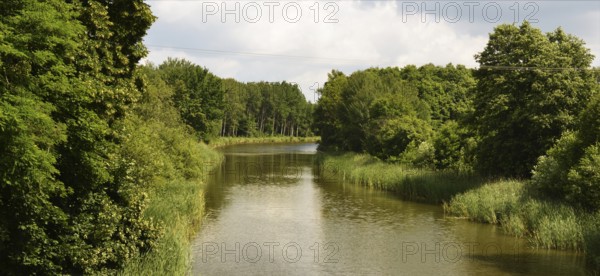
69, 202
393, 113
265, 108
172, 161
198, 95
571, 168
227, 108
498, 119
530, 89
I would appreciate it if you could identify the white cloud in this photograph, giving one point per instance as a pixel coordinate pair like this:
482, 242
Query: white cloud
365, 36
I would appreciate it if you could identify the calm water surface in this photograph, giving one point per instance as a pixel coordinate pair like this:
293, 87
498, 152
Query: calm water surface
269, 212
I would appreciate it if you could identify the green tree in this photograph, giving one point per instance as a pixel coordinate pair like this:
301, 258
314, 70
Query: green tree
446, 90
198, 95
530, 88
66, 81
374, 111
570, 170
326, 120
454, 145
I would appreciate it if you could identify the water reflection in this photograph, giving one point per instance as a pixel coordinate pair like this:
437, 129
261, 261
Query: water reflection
269, 214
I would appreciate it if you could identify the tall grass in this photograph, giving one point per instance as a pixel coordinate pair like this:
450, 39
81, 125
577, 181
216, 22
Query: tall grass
410, 183
592, 240
176, 205
545, 223
225, 141
517, 209
522, 212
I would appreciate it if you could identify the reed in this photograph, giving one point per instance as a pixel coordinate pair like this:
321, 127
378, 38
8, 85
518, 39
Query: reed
410, 183
522, 212
177, 206
226, 141
519, 210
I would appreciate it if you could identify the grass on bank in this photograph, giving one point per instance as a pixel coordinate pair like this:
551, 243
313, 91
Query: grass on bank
225, 141
519, 211
176, 200
409, 183
175, 203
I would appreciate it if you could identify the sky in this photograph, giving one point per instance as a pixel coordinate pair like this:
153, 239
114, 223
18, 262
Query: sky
302, 41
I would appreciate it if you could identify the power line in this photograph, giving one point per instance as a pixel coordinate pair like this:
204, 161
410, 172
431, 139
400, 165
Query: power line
526, 68
255, 54
353, 61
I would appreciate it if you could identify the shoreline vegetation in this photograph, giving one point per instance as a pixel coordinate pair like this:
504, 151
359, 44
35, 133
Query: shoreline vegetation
414, 184
228, 141
103, 166
510, 204
178, 206
530, 137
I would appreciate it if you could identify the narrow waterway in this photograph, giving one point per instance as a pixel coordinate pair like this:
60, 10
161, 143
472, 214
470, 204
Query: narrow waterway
269, 212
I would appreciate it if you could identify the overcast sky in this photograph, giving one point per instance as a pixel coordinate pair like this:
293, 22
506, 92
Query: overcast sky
301, 41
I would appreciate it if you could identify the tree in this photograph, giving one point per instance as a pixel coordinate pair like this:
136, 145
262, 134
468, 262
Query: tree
274, 108
530, 89
375, 111
66, 82
445, 89
570, 170
198, 95
326, 120
453, 145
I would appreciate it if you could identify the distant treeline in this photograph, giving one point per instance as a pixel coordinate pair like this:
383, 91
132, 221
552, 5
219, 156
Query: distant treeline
531, 109
225, 107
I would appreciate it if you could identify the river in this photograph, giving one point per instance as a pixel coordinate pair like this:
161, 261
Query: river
269, 212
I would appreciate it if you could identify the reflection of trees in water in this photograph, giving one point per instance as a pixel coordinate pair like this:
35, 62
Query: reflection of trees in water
254, 169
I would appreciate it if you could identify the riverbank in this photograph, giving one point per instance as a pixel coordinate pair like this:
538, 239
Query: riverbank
226, 141
409, 183
507, 203
177, 207
521, 212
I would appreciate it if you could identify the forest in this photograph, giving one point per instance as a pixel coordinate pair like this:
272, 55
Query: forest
102, 157
99, 153
530, 110
217, 107
515, 142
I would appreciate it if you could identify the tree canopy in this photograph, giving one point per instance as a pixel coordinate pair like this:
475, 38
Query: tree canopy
226, 107
390, 111
530, 89
66, 81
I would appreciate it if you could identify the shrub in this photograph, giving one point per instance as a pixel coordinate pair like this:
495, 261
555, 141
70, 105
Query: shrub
583, 183
570, 169
421, 156
550, 173
454, 148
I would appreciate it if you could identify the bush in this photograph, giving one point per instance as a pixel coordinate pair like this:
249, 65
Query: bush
421, 156
453, 147
390, 138
570, 169
550, 173
167, 156
583, 183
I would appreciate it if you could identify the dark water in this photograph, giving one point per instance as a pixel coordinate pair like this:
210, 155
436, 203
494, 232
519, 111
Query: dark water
270, 213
